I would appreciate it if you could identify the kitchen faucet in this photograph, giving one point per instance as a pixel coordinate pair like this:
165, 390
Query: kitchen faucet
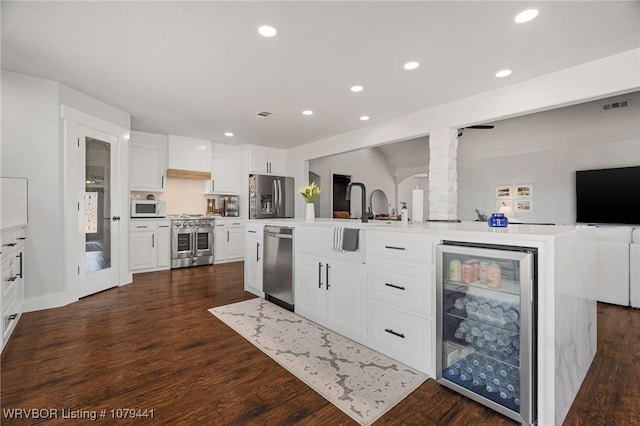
365, 217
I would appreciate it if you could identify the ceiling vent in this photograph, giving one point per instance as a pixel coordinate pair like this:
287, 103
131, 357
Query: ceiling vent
263, 114
615, 105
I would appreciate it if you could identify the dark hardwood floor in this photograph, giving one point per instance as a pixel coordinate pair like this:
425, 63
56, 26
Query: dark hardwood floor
152, 345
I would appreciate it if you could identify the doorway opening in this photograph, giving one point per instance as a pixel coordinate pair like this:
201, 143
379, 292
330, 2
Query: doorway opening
341, 206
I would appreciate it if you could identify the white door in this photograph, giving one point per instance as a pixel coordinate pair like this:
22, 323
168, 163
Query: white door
99, 222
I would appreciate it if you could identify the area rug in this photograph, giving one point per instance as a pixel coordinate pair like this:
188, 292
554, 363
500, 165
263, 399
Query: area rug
359, 381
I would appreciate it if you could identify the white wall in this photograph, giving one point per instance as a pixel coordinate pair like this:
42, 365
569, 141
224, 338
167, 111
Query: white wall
367, 166
546, 149
597, 79
405, 193
33, 147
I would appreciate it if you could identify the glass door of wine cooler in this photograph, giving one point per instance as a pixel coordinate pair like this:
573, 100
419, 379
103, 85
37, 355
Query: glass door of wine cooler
486, 321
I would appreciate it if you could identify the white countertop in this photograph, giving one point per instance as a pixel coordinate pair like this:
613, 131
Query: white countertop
466, 228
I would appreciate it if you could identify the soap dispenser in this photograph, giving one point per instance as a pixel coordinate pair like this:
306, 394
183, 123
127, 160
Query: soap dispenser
404, 212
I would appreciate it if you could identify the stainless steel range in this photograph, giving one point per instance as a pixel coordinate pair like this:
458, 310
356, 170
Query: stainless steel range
191, 241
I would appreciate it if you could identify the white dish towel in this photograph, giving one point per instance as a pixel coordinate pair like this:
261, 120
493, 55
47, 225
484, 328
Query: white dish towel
338, 233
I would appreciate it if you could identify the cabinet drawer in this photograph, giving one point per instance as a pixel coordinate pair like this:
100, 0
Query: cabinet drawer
402, 336
147, 225
403, 288
403, 247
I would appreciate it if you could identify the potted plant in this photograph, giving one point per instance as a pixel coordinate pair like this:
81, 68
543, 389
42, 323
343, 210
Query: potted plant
310, 192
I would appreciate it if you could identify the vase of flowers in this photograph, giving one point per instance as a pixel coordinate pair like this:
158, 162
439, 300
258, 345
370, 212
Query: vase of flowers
310, 192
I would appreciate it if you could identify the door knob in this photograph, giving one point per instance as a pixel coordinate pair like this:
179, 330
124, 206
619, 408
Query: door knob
116, 218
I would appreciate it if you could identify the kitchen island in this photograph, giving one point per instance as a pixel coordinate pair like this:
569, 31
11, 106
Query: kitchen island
359, 301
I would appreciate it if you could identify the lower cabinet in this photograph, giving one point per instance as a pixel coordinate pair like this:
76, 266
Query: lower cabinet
13, 273
253, 259
229, 240
401, 336
333, 294
149, 245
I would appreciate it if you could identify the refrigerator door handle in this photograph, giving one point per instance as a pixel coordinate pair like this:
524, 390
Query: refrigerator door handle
274, 196
279, 198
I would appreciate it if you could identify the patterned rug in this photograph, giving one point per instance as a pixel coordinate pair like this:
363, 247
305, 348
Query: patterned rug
361, 382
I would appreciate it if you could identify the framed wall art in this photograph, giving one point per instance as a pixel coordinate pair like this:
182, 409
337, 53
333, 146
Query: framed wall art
524, 190
504, 192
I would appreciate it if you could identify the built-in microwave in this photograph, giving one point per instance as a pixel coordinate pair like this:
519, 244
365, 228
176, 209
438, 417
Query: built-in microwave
148, 208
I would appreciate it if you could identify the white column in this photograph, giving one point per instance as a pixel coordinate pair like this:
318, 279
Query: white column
443, 174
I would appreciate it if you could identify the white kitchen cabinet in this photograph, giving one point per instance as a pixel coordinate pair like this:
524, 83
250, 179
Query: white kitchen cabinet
253, 259
149, 245
186, 153
401, 298
333, 294
147, 162
265, 160
13, 280
226, 171
229, 240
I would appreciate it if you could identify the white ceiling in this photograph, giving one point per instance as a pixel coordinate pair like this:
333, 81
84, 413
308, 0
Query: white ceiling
200, 69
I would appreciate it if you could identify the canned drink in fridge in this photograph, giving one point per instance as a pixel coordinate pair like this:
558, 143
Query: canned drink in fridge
493, 275
467, 271
455, 270
482, 271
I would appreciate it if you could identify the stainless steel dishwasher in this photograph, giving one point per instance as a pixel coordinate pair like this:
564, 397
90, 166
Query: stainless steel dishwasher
277, 274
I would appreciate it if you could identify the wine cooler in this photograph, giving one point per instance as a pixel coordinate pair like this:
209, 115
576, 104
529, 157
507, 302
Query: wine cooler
486, 347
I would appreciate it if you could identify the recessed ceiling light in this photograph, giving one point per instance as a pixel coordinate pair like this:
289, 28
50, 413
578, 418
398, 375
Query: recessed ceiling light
228, 134
526, 16
411, 65
307, 112
267, 31
364, 118
357, 88
503, 73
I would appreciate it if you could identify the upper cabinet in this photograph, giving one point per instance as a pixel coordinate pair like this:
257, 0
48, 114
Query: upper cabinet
147, 162
267, 160
226, 170
186, 153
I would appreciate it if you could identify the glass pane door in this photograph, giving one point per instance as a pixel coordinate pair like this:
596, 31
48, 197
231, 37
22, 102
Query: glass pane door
97, 199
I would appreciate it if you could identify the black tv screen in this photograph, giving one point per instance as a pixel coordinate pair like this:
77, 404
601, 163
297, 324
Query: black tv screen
608, 196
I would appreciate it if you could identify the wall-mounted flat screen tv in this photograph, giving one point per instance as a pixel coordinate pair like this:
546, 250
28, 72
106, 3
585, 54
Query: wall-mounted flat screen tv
608, 196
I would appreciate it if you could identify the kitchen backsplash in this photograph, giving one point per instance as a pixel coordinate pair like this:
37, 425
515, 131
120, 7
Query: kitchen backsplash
181, 196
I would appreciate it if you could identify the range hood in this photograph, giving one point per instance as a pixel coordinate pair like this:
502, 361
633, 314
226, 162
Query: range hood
188, 174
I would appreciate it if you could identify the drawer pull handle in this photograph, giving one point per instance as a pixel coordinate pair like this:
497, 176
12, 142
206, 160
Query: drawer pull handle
12, 317
10, 244
12, 279
395, 286
251, 232
394, 248
395, 333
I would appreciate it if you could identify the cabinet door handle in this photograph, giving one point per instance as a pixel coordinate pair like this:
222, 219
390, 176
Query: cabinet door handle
9, 245
394, 248
213, 185
141, 226
21, 238
395, 333
20, 273
257, 252
153, 240
319, 274
251, 232
227, 235
162, 181
327, 275
12, 279
395, 286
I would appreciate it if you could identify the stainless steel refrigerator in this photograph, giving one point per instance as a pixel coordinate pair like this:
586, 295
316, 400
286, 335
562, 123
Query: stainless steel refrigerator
270, 196
486, 346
